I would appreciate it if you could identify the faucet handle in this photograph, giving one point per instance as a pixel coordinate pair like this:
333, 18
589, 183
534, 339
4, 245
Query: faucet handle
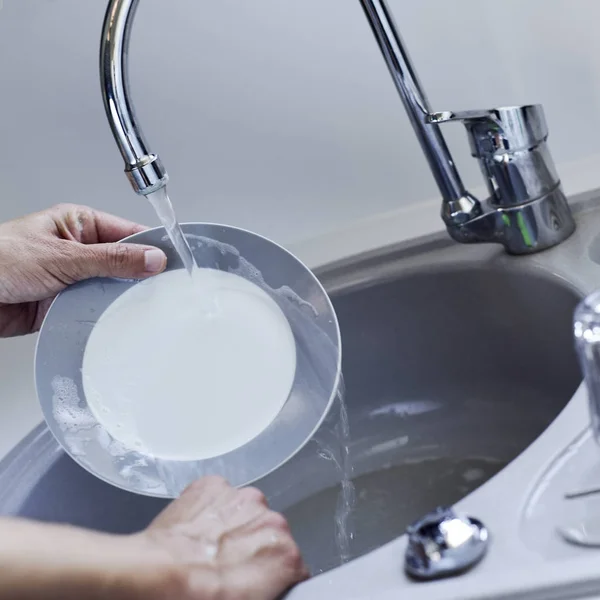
587, 343
506, 129
446, 116
510, 145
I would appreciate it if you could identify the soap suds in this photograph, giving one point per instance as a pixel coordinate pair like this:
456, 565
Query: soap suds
67, 409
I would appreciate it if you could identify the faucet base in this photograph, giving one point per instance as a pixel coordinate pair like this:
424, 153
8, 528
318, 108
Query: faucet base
523, 229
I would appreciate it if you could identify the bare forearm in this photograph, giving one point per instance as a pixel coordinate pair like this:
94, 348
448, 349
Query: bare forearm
40, 561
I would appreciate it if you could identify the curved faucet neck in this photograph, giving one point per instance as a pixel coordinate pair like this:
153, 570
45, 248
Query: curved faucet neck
143, 168
527, 210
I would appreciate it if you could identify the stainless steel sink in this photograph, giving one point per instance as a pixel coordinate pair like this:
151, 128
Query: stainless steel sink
455, 360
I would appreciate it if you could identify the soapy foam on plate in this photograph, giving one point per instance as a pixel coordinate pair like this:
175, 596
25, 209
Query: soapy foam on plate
184, 368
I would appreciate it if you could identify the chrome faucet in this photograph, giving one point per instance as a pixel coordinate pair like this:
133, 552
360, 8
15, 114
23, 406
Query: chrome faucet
143, 168
526, 210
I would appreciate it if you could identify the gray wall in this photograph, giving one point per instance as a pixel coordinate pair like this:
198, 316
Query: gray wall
283, 109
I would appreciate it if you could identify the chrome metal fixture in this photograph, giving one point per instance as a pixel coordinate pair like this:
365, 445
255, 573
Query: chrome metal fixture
581, 525
444, 544
143, 168
586, 325
527, 210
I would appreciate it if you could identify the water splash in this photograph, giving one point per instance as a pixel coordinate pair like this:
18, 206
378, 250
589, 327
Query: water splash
161, 203
337, 451
347, 496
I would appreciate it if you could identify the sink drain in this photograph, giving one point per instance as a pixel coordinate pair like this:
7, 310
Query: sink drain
443, 544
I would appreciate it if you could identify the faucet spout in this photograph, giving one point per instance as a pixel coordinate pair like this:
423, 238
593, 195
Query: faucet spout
143, 168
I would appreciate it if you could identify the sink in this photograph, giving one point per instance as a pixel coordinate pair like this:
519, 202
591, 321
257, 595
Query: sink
450, 374
454, 363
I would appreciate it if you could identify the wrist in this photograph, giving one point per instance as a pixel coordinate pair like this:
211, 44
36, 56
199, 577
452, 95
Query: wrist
186, 571
39, 561
139, 569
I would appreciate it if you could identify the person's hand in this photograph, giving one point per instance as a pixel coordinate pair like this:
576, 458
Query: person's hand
43, 253
213, 543
225, 544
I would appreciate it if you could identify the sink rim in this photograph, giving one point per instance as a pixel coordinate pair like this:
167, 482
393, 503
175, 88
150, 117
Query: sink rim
370, 271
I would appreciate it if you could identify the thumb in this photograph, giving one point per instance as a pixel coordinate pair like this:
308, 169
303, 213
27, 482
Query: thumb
120, 260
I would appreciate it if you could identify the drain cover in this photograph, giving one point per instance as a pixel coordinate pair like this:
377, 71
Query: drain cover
443, 544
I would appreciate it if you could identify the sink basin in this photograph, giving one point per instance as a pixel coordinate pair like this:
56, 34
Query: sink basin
450, 375
451, 372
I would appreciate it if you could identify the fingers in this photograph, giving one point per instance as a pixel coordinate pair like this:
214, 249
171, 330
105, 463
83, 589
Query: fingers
126, 261
89, 226
198, 498
101, 257
244, 508
266, 548
208, 491
232, 538
114, 229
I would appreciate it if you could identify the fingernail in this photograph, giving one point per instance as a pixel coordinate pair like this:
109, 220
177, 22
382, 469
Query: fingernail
154, 260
